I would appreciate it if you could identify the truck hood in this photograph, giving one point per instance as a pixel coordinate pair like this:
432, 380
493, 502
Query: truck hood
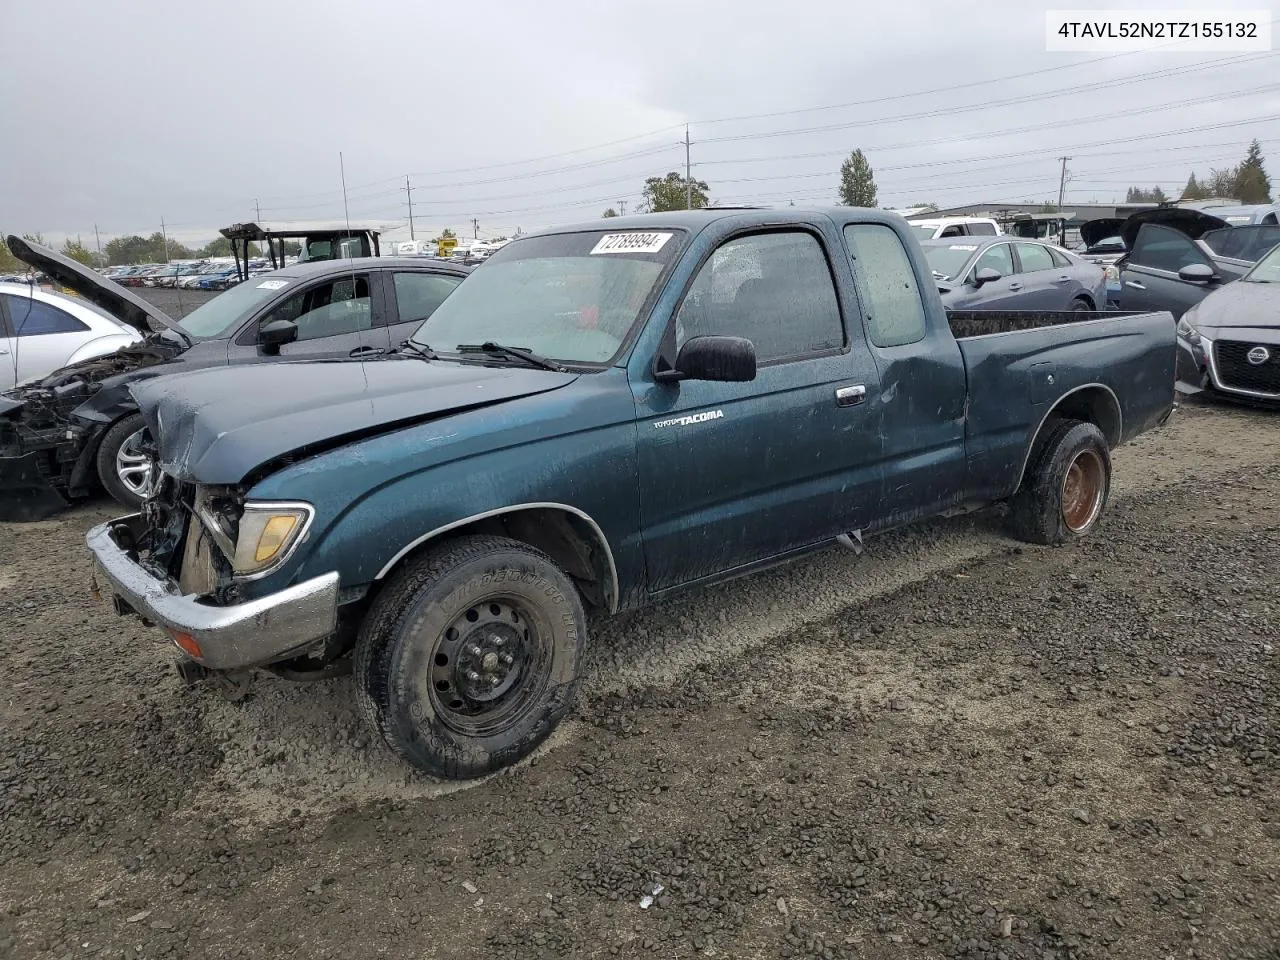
1094, 231
125, 306
1239, 304
218, 425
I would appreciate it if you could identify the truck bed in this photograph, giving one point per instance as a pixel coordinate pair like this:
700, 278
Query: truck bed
1119, 365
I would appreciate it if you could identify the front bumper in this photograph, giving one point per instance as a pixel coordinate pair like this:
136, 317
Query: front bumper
232, 637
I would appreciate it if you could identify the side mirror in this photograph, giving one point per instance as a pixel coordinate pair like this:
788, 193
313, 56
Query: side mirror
274, 335
985, 275
726, 359
1197, 273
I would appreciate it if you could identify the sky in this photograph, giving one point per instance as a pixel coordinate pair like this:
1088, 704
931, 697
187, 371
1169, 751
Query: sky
519, 115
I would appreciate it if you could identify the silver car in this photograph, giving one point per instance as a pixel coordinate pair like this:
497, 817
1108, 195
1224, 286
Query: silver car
1008, 273
41, 332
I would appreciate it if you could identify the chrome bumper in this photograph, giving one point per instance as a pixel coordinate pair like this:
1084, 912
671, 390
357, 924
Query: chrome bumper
221, 638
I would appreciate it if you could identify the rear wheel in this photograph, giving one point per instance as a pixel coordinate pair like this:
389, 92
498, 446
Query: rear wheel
1081, 305
468, 658
1065, 489
124, 462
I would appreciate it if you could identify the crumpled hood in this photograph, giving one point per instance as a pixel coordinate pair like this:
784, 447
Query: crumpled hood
1238, 304
105, 294
217, 425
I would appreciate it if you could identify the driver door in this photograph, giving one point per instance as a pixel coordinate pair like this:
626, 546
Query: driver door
340, 316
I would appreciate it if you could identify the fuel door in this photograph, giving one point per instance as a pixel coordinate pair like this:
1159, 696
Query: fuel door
1044, 382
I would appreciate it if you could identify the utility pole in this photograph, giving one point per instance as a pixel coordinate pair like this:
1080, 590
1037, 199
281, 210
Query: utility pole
475, 228
408, 192
257, 209
622, 208
98, 238
164, 234
1062, 193
688, 183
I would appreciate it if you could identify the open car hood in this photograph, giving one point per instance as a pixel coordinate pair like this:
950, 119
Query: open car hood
105, 294
220, 424
1095, 231
1194, 223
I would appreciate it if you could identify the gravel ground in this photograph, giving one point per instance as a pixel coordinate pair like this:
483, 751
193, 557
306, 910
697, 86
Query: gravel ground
952, 746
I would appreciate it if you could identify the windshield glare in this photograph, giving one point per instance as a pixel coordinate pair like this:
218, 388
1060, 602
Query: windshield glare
947, 261
559, 296
1266, 270
221, 316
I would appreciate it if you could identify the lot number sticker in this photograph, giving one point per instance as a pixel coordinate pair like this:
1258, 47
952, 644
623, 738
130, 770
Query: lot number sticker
272, 284
631, 243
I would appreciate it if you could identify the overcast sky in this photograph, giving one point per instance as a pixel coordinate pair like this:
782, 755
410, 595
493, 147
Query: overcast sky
524, 114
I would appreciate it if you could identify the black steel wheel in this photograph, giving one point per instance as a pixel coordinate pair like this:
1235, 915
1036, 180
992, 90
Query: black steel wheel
468, 658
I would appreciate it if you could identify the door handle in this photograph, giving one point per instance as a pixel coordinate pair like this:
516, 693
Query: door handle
361, 351
850, 396
3, 350
1015, 286
1063, 280
1135, 284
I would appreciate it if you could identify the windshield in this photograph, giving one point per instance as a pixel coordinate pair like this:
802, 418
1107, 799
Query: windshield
922, 231
221, 316
947, 261
572, 297
1266, 270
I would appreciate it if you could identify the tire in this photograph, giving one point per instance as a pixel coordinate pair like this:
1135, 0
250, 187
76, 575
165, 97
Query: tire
1081, 305
1065, 489
118, 464
447, 696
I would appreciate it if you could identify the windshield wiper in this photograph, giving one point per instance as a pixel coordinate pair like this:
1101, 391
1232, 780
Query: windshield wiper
515, 353
418, 349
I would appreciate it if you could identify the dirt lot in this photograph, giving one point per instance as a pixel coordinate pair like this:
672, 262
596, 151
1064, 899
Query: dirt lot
950, 746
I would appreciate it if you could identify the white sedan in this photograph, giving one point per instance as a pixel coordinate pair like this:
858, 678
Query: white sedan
41, 332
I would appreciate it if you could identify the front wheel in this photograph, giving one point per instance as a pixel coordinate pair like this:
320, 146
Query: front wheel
125, 464
468, 658
1066, 485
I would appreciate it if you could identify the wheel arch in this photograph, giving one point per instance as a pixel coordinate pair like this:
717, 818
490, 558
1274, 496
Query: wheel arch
566, 534
1094, 403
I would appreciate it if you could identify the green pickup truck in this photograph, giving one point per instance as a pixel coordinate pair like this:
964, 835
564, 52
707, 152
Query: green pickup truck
599, 416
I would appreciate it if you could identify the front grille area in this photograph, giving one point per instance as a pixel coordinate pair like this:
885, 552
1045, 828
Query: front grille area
1235, 372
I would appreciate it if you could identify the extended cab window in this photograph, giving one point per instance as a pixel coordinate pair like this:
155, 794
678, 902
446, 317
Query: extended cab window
418, 294
1163, 248
33, 318
1033, 257
775, 289
330, 309
891, 297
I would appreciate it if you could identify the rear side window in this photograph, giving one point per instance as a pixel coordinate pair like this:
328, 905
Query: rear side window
418, 294
33, 318
951, 231
1033, 257
892, 303
775, 289
982, 229
1060, 259
1163, 248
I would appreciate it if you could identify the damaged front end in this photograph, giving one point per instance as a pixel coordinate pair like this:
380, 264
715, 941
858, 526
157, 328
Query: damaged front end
47, 444
184, 563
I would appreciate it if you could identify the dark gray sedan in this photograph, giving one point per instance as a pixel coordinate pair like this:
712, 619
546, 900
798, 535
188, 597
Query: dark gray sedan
1008, 273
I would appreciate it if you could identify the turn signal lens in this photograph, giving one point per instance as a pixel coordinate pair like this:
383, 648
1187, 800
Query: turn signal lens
274, 536
267, 532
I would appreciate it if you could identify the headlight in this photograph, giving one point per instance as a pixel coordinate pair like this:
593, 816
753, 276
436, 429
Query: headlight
267, 535
1187, 331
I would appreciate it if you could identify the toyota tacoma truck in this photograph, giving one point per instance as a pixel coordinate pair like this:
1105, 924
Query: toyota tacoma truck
598, 418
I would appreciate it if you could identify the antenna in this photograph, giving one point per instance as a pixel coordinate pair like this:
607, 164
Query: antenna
346, 214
